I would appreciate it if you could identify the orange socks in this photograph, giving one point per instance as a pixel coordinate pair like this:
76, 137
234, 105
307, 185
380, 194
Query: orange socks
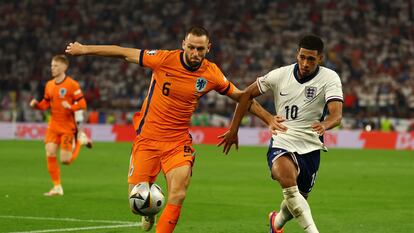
75, 151
53, 168
168, 219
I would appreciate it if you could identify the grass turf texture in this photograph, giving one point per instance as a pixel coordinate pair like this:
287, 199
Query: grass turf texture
360, 191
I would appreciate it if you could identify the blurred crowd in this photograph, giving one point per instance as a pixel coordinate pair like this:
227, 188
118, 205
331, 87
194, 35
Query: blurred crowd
369, 43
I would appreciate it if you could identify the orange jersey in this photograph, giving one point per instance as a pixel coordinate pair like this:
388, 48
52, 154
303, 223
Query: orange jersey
62, 120
174, 93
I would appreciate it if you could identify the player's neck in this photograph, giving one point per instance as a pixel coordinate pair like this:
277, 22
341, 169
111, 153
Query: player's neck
300, 76
60, 78
187, 63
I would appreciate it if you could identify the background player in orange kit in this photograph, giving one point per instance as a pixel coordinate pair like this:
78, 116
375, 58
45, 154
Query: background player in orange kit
64, 97
163, 142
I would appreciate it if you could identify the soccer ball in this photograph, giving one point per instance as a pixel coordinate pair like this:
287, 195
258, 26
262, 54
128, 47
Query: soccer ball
146, 199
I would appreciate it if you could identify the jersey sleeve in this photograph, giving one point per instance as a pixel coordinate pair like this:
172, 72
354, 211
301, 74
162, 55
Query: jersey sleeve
223, 85
45, 102
77, 92
333, 90
152, 58
47, 94
268, 81
77, 95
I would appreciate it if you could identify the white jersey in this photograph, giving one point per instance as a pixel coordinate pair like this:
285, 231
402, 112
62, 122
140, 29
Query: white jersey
301, 102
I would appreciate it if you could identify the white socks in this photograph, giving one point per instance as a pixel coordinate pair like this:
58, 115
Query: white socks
283, 216
299, 208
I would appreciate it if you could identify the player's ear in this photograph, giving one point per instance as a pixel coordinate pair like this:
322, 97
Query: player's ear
208, 47
183, 45
320, 58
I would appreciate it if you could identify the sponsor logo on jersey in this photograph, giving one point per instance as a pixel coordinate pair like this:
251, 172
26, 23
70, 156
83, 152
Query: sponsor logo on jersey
151, 52
200, 84
283, 94
310, 92
62, 92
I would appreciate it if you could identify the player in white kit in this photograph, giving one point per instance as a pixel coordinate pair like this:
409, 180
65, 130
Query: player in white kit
309, 98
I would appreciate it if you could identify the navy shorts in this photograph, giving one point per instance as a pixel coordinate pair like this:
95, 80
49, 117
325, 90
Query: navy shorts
308, 165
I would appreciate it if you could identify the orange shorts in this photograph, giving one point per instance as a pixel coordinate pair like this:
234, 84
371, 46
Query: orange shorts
65, 140
149, 156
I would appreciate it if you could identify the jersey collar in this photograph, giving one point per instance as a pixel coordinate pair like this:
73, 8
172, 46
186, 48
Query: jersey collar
304, 79
57, 83
189, 68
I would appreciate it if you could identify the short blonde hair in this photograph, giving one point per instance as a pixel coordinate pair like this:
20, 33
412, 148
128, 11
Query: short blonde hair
61, 58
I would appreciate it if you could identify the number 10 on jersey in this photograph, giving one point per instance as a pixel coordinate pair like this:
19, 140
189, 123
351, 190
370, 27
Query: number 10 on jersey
291, 112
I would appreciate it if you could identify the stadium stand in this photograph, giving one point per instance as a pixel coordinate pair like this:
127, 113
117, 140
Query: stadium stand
369, 43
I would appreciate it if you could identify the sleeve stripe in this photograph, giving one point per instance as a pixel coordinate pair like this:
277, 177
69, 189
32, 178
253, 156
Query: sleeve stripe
141, 57
258, 85
81, 97
334, 97
226, 90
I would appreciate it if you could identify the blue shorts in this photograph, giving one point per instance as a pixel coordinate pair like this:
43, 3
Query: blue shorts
308, 165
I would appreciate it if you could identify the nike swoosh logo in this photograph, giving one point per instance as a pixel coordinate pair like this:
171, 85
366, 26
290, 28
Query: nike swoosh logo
283, 94
168, 74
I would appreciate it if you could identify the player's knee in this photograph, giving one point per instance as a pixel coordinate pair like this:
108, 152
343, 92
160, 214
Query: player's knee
284, 180
50, 154
66, 161
177, 197
285, 172
287, 182
50, 151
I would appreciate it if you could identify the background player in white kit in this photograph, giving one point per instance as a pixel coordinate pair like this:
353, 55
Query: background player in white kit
303, 93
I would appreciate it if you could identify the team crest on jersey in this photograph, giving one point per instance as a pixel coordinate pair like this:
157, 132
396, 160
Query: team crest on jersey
62, 92
151, 52
310, 92
201, 83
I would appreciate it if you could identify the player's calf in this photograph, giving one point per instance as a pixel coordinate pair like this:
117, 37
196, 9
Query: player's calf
299, 208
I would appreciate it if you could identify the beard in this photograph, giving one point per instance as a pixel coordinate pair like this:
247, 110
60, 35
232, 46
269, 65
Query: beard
192, 64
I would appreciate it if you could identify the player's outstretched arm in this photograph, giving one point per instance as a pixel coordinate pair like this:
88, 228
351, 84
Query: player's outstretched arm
332, 120
129, 54
244, 99
273, 122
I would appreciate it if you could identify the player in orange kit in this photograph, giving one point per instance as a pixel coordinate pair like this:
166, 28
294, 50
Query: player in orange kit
65, 99
163, 142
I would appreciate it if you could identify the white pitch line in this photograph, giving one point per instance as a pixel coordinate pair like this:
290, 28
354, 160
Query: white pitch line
80, 228
65, 219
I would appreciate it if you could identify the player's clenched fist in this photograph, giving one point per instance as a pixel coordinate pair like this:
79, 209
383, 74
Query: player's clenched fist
75, 48
33, 103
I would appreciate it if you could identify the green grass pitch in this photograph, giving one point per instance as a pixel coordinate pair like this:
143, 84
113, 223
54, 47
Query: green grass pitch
362, 191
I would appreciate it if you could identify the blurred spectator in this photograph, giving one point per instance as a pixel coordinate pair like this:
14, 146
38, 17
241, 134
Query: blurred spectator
369, 43
386, 124
93, 117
